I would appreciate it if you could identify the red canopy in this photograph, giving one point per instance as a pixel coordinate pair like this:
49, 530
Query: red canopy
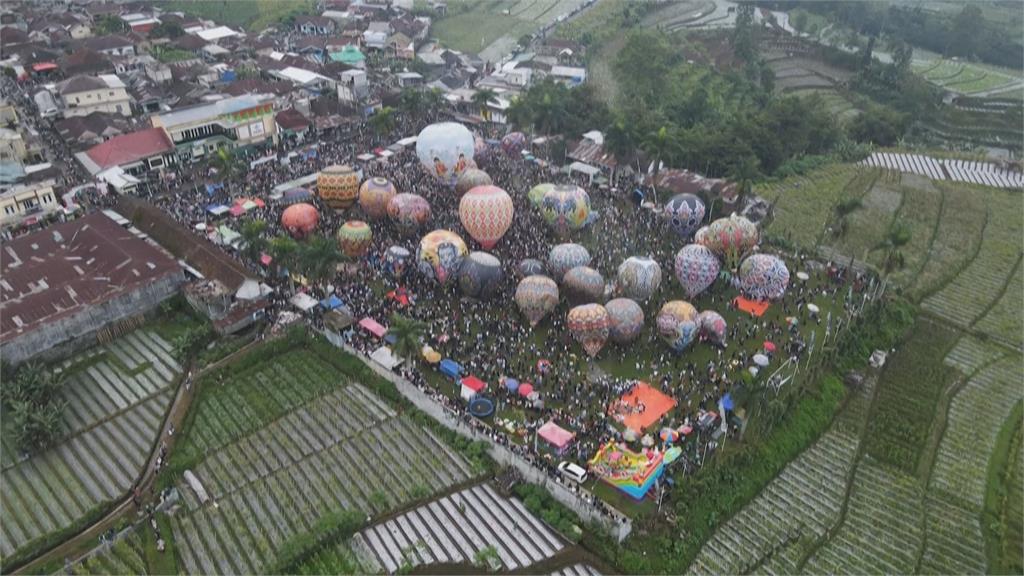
237, 210
44, 66
473, 383
373, 327
525, 389
265, 259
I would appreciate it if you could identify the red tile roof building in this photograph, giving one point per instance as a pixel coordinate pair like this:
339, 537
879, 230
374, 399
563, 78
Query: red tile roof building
128, 150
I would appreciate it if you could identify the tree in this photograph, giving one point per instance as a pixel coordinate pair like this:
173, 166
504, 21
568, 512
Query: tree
170, 30
318, 258
898, 236
878, 125
621, 139
744, 38
410, 101
32, 398
408, 333
109, 25
252, 238
225, 162
799, 20
282, 249
966, 31
383, 121
481, 98
662, 145
745, 172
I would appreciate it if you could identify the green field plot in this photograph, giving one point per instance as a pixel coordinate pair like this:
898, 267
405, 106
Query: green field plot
869, 224
252, 15
1004, 320
965, 77
472, 25
921, 210
957, 237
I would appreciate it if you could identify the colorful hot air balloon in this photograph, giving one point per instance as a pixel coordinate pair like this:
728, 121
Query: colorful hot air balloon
409, 211
730, 238
696, 268
470, 179
685, 213
536, 297
677, 324
486, 213
354, 238
638, 278
480, 275
763, 277
531, 267
626, 320
565, 208
589, 325
300, 219
446, 150
583, 284
712, 326
374, 196
513, 143
396, 261
338, 186
536, 194
565, 257
440, 255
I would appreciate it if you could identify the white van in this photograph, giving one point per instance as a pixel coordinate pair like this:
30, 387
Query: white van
573, 472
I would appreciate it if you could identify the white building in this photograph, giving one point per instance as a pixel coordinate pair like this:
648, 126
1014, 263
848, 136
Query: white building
217, 34
21, 202
353, 86
83, 95
239, 122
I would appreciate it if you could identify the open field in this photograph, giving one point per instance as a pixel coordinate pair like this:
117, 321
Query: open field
252, 15
117, 395
965, 77
871, 222
492, 27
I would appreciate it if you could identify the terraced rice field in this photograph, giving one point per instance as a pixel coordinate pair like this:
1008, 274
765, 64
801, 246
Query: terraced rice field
491, 28
454, 530
804, 204
956, 491
126, 556
117, 398
956, 238
881, 532
1004, 320
921, 210
966, 298
966, 78
343, 450
871, 222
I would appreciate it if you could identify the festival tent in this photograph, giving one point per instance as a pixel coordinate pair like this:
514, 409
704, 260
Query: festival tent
511, 384
471, 386
400, 295
265, 259
385, 358
450, 368
752, 307
656, 404
217, 209
237, 210
252, 290
331, 302
525, 390
431, 355
558, 437
228, 236
373, 327
303, 301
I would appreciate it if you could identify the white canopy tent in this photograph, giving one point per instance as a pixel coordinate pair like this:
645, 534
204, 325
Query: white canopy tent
304, 302
385, 358
583, 168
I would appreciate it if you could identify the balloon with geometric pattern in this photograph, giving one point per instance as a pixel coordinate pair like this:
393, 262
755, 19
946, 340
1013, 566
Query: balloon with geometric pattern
589, 325
638, 278
486, 213
374, 196
470, 179
536, 194
513, 143
531, 267
565, 208
583, 284
354, 238
409, 211
730, 239
626, 319
565, 257
712, 326
685, 212
536, 297
763, 277
338, 186
300, 220
677, 324
696, 268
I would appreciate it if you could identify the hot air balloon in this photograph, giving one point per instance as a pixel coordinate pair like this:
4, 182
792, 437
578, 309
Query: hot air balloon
589, 325
685, 212
564, 257
763, 277
536, 194
446, 150
677, 324
354, 238
480, 275
565, 208
440, 255
638, 278
626, 320
696, 268
396, 261
470, 179
486, 213
712, 326
531, 267
536, 297
338, 186
300, 219
583, 284
730, 238
513, 143
409, 211
374, 196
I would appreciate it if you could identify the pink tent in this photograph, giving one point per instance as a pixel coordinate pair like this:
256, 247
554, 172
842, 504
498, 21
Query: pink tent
373, 327
555, 435
525, 389
237, 210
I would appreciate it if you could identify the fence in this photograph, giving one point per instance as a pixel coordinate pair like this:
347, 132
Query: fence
580, 501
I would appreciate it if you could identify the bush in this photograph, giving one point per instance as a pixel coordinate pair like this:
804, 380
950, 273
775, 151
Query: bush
541, 503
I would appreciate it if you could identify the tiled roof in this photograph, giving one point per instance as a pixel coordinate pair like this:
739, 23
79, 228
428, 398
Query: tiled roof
129, 148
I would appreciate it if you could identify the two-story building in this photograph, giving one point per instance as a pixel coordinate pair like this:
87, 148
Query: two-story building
83, 95
135, 154
240, 122
110, 45
36, 200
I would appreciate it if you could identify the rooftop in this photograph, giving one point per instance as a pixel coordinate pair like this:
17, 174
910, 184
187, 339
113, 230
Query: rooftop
209, 111
126, 149
218, 33
69, 266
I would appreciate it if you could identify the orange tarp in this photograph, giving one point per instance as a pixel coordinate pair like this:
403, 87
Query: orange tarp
752, 307
655, 405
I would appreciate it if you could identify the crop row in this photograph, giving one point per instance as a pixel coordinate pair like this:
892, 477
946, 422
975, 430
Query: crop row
126, 556
380, 467
869, 223
966, 297
956, 238
970, 353
804, 204
1005, 320
922, 204
50, 490
881, 531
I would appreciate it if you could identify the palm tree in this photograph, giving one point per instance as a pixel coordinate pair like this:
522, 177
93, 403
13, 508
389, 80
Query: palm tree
897, 237
842, 213
319, 257
661, 145
620, 139
252, 237
745, 172
282, 249
520, 112
225, 162
383, 121
481, 98
408, 333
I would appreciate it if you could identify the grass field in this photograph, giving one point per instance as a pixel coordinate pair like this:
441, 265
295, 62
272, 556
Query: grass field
965, 77
251, 15
474, 25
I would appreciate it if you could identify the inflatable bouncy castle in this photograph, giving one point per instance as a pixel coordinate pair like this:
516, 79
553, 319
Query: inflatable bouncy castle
631, 472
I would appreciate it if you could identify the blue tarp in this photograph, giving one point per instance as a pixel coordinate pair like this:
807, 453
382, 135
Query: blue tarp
450, 368
727, 402
217, 209
511, 384
390, 338
331, 303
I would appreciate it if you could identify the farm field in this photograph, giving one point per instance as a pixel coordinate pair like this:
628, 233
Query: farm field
1004, 320
252, 15
871, 222
117, 396
483, 27
964, 77
920, 211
